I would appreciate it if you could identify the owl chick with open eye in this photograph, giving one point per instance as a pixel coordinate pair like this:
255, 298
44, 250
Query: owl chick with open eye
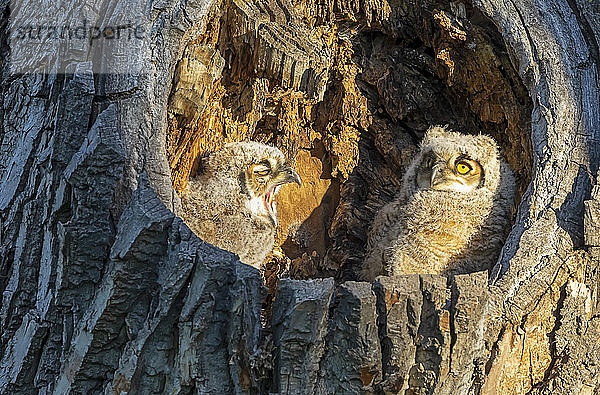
452, 213
231, 202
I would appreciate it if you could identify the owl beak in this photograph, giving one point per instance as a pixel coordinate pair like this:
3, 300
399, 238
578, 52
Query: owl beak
285, 175
444, 180
439, 178
436, 176
288, 175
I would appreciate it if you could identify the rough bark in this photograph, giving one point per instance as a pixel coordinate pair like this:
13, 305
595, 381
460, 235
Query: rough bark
106, 290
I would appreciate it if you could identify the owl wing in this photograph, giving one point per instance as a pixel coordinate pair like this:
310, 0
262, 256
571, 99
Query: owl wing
220, 218
384, 232
206, 210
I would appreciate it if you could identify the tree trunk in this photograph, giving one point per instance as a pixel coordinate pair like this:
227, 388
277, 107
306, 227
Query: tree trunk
106, 290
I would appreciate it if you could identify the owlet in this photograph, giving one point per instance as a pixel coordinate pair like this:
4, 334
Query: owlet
453, 211
231, 202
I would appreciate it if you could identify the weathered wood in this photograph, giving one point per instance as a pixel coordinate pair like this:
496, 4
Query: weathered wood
414, 323
466, 368
105, 290
352, 361
299, 329
399, 309
591, 219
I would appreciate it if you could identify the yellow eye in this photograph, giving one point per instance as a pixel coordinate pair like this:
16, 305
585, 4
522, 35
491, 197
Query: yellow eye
463, 168
263, 171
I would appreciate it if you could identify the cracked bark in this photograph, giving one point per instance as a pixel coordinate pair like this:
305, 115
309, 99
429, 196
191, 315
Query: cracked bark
105, 290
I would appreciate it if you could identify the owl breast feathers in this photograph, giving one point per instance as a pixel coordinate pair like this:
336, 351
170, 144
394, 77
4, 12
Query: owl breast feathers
231, 202
452, 214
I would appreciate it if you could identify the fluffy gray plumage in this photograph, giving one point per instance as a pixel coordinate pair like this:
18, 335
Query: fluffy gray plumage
444, 222
231, 202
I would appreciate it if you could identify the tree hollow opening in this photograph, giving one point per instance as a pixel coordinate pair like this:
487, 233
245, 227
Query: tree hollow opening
346, 90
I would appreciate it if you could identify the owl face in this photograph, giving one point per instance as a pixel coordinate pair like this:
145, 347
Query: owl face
263, 180
449, 172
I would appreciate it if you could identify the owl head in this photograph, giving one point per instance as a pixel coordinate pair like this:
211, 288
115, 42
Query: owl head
451, 161
254, 170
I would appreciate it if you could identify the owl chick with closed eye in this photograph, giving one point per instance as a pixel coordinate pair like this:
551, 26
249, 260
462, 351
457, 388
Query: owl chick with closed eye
452, 213
231, 202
